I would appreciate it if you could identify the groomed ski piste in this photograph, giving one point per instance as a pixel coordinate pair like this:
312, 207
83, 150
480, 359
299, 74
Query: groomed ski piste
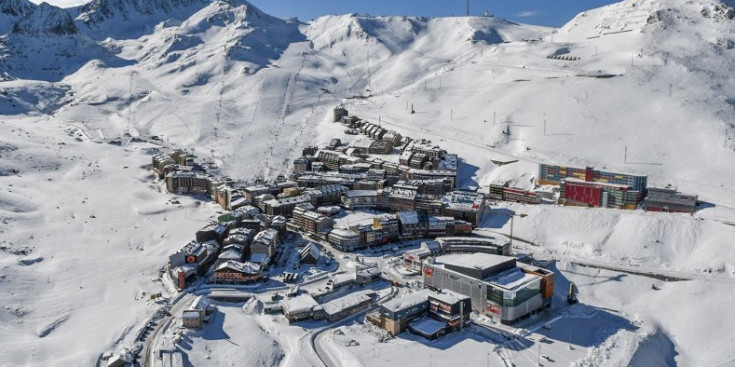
639, 86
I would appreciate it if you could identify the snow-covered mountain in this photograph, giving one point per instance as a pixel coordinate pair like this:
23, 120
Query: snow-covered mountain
45, 43
642, 86
132, 18
11, 11
45, 21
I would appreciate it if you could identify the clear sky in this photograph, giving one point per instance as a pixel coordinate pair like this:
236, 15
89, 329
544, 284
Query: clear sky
552, 13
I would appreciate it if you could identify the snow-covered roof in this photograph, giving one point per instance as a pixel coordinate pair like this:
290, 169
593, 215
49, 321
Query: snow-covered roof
465, 201
596, 183
279, 219
449, 297
478, 261
231, 254
362, 143
311, 249
246, 267
449, 162
287, 201
312, 215
248, 232
428, 326
212, 246
240, 201
343, 278
248, 210
482, 241
369, 272
266, 236
338, 305
407, 301
302, 303
406, 193
435, 219
331, 209
188, 174
187, 269
417, 253
511, 279
235, 246
190, 315
344, 233
361, 193
430, 245
238, 238
408, 217
201, 303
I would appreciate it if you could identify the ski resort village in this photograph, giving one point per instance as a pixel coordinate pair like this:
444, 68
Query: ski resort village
200, 183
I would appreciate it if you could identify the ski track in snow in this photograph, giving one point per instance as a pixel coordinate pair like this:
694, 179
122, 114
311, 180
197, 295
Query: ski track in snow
86, 228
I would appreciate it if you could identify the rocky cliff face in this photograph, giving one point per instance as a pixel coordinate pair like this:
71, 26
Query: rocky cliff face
46, 21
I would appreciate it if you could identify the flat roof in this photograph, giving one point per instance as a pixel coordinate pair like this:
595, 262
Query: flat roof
596, 183
408, 217
420, 252
428, 326
449, 297
511, 279
471, 240
369, 271
358, 193
479, 261
343, 232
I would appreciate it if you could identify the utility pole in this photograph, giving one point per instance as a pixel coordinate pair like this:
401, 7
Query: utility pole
538, 358
625, 159
468, 8
368, 62
219, 109
493, 117
724, 143
461, 314
131, 115
511, 225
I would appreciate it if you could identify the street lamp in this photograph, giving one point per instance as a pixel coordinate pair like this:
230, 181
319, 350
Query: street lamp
511, 216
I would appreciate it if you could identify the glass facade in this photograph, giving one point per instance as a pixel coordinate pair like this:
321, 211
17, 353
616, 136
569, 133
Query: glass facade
512, 298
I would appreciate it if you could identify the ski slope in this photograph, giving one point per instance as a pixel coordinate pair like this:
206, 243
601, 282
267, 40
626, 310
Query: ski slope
249, 91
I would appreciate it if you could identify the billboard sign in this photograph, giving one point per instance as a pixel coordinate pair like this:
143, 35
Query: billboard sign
493, 308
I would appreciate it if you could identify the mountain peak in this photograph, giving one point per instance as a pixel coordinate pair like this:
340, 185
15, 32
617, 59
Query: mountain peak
132, 18
46, 20
16, 8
